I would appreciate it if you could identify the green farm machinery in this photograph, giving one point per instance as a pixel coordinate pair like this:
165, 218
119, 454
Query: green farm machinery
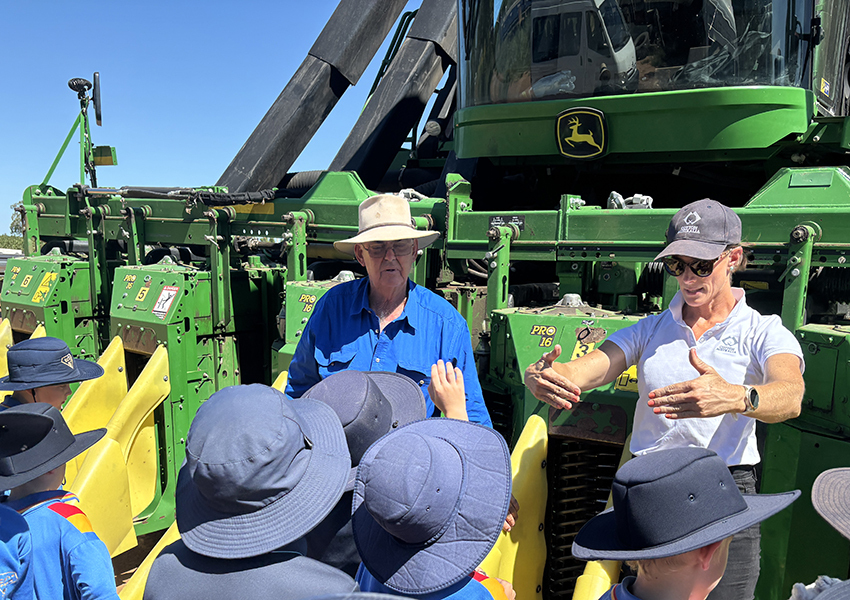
563, 136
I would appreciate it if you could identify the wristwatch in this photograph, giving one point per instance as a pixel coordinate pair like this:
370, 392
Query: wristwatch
751, 399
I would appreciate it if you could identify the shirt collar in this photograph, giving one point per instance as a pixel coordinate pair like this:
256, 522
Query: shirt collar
677, 303
412, 308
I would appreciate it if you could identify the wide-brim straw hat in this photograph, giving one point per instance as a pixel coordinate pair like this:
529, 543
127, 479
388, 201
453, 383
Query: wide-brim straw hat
385, 218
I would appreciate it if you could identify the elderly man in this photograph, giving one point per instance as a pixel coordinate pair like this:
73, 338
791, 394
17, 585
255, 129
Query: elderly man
385, 322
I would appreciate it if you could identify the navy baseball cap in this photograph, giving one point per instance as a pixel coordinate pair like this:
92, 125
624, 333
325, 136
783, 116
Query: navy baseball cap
45, 361
702, 230
670, 502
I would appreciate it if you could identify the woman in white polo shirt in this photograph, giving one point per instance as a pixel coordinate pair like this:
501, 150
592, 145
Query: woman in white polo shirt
708, 367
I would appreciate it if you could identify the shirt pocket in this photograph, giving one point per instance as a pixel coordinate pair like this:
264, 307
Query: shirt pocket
418, 368
334, 361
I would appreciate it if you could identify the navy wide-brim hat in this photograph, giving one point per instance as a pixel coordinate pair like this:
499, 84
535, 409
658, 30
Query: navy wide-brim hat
429, 503
261, 471
670, 502
35, 439
831, 498
45, 361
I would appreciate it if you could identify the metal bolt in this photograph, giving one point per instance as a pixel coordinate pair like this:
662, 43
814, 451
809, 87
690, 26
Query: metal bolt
543, 465
165, 378
842, 260
120, 306
493, 264
540, 527
795, 273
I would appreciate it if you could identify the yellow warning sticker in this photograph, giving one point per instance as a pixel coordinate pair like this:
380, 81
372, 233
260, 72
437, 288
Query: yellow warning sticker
627, 381
582, 348
143, 293
43, 288
26, 281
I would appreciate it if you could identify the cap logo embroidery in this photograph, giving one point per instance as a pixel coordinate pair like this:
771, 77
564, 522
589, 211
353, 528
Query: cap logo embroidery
67, 360
692, 218
728, 345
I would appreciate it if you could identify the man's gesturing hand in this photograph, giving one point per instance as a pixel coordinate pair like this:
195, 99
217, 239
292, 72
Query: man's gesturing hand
709, 395
547, 385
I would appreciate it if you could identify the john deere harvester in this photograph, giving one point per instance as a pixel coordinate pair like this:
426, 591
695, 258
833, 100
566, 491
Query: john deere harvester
563, 137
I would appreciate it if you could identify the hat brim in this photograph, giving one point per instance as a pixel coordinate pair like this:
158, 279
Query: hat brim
83, 371
831, 498
82, 442
598, 539
222, 535
693, 249
837, 591
387, 233
485, 498
404, 395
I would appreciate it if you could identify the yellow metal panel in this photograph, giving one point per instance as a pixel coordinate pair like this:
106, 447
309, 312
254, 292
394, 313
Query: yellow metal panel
280, 382
528, 471
110, 492
96, 400
39, 332
5, 341
135, 588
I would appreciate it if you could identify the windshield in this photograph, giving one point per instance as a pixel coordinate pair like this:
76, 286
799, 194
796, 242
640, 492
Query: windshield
524, 50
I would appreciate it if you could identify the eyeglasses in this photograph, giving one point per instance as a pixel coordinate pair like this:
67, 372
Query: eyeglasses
400, 248
701, 268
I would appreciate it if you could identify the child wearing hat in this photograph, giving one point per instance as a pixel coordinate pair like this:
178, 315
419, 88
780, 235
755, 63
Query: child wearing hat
369, 405
15, 556
69, 560
261, 471
675, 512
41, 370
429, 502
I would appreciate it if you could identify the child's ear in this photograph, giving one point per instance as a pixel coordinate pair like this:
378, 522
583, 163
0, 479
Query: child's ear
706, 554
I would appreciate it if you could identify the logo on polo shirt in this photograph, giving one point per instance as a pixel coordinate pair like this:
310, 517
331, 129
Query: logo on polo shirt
67, 360
7, 579
729, 345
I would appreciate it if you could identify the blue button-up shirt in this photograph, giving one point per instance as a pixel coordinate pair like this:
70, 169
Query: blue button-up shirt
344, 333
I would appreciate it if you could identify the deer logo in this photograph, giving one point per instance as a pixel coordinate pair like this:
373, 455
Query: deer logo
582, 133
575, 136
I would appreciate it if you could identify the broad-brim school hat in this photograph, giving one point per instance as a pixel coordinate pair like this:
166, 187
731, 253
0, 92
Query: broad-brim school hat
837, 591
369, 405
429, 503
670, 502
35, 439
45, 361
702, 230
385, 218
261, 470
831, 498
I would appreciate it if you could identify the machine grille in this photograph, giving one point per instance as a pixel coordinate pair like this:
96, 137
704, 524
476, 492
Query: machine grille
580, 474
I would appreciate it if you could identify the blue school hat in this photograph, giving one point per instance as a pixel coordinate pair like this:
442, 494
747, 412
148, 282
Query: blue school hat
44, 361
261, 470
670, 502
369, 405
429, 503
35, 439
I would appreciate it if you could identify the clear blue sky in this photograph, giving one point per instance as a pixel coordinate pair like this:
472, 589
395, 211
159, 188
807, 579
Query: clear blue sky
183, 86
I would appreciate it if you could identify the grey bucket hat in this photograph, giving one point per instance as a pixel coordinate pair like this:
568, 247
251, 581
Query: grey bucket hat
35, 439
702, 230
261, 471
429, 503
831, 498
670, 502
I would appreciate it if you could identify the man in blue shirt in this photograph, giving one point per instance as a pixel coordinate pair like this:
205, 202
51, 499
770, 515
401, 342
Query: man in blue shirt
385, 322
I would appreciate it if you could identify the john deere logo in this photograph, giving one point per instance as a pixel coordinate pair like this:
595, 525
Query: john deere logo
582, 133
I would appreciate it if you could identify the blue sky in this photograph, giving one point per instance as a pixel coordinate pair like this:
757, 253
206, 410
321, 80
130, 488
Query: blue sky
183, 86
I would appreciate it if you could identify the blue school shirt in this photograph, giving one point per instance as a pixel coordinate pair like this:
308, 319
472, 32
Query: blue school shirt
620, 591
15, 557
465, 589
343, 334
69, 560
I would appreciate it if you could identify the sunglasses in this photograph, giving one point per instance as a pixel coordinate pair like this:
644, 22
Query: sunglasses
380, 249
701, 268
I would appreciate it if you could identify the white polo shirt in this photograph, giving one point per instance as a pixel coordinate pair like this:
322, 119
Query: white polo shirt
737, 348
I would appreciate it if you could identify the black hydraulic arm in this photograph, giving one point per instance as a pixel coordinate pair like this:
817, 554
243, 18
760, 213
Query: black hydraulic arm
429, 49
336, 61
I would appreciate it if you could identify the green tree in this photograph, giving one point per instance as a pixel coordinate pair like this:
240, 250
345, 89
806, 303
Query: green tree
17, 226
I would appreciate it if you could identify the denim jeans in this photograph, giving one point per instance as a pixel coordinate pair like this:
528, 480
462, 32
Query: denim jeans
742, 568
